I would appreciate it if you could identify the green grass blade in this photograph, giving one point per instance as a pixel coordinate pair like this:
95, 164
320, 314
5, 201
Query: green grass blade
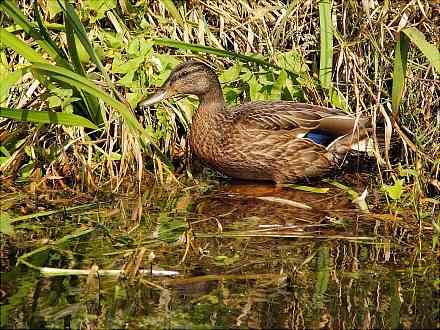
82, 83
215, 51
72, 49
90, 102
429, 50
20, 19
326, 52
400, 61
20, 47
46, 117
174, 12
80, 31
61, 57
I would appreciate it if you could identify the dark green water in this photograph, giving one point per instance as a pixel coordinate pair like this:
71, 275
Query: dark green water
246, 256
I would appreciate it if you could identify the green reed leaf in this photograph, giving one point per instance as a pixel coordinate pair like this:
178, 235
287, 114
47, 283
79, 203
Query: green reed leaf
174, 12
215, 51
429, 50
46, 117
326, 51
399, 70
20, 19
20, 47
80, 31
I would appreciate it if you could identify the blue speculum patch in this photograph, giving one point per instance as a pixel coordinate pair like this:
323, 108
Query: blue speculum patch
320, 137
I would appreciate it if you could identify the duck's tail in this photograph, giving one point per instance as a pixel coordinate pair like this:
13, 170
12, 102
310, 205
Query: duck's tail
367, 142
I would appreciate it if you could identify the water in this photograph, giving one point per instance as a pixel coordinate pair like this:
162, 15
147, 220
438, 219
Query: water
248, 256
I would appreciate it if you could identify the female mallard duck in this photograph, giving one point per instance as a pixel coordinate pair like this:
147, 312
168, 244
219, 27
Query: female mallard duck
279, 141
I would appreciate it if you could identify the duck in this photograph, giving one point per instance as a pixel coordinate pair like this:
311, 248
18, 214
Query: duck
278, 141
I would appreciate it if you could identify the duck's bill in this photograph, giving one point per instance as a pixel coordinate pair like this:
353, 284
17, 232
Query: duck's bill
157, 97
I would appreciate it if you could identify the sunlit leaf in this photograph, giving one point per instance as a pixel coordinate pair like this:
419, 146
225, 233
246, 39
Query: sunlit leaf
6, 224
407, 171
254, 88
293, 61
337, 99
129, 66
277, 87
174, 12
429, 50
8, 80
394, 191
54, 8
98, 8
231, 74
54, 101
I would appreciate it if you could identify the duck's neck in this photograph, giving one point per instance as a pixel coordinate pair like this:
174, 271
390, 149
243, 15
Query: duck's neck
208, 124
213, 99
211, 106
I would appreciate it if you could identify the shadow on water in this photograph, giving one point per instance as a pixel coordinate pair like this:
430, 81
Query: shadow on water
248, 256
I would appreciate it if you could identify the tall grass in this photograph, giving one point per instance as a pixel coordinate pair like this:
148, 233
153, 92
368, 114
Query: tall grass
381, 60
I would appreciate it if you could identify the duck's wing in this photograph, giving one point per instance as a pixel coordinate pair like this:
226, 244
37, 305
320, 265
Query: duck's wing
286, 115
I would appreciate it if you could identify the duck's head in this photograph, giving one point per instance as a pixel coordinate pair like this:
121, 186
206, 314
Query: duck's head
193, 78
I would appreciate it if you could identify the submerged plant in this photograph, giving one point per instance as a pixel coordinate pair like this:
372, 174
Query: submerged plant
90, 67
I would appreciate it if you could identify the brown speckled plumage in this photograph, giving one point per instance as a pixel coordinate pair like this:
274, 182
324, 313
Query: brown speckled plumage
263, 140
